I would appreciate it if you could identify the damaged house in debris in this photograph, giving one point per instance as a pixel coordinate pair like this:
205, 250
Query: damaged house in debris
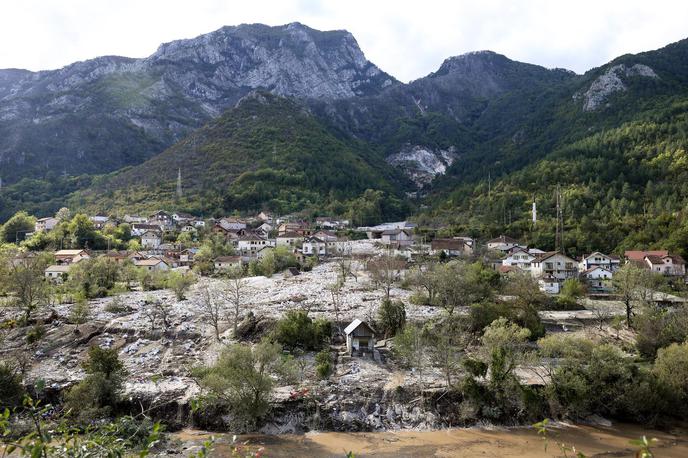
360, 338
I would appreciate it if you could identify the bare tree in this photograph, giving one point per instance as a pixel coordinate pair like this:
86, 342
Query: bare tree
156, 310
335, 290
424, 278
385, 270
235, 292
23, 277
344, 264
212, 309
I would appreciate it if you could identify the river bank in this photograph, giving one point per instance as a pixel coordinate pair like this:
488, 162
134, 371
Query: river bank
455, 442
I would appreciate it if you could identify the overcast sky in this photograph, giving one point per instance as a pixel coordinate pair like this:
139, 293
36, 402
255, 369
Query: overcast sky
407, 39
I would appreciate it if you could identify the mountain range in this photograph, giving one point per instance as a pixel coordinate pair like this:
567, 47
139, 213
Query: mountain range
290, 118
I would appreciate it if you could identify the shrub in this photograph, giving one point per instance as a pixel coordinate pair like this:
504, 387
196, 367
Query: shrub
243, 378
80, 310
179, 283
298, 330
35, 334
483, 314
95, 396
116, 306
11, 389
323, 366
671, 369
391, 317
658, 328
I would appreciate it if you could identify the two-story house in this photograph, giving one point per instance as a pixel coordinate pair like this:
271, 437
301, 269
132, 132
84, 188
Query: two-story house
554, 264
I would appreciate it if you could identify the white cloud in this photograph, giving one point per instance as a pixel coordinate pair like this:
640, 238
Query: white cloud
405, 38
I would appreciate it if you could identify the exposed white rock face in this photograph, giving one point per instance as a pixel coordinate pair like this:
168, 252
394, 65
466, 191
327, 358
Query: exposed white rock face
421, 163
611, 82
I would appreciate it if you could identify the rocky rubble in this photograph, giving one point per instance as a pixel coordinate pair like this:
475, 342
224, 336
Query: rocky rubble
158, 360
423, 164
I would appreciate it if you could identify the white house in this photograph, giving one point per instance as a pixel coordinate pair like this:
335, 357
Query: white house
598, 259
227, 262
549, 284
375, 232
668, 265
57, 273
265, 228
71, 256
327, 222
46, 224
232, 224
554, 264
313, 246
397, 236
182, 218
502, 243
134, 219
450, 247
519, 257
360, 338
252, 243
138, 229
151, 264
151, 240
597, 277
289, 239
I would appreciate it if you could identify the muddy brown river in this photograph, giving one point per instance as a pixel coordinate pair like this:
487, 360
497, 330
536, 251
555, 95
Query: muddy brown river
470, 442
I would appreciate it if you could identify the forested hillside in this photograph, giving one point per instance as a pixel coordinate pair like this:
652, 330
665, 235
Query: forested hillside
267, 153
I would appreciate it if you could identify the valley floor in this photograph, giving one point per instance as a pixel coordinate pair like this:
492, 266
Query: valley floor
455, 442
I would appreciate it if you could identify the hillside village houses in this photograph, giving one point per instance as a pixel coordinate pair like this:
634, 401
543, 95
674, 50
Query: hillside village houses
151, 239
152, 264
71, 256
46, 224
597, 259
519, 257
451, 247
597, 278
57, 273
251, 238
502, 243
227, 262
659, 261
289, 239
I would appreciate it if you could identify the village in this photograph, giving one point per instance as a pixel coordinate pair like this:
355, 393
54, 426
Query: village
258, 273
162, 248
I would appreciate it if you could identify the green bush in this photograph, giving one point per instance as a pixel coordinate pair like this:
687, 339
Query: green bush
11, 389
179, 283
483, 314
298, 330
391, 317
116, 306
243, 378
657, 328
35, 334
323, 366
80, 310
95, 396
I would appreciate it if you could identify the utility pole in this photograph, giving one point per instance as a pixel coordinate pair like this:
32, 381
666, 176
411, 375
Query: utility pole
559, 237
489, 185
